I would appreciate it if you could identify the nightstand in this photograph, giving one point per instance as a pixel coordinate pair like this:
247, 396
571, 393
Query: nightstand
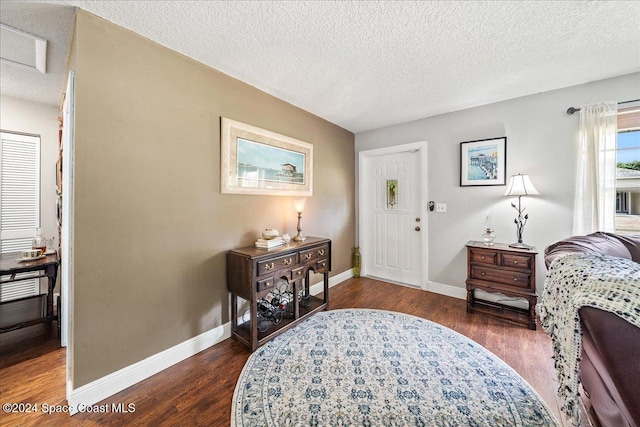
509, 271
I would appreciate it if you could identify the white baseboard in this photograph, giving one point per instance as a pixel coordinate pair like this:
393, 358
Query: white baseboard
338, 278
102, 388
448, 290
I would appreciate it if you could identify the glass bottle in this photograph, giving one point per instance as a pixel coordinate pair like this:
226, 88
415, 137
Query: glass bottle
355, 261
488, 234
39, 241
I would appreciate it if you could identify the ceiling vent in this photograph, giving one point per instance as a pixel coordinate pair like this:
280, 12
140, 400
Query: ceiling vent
23, 49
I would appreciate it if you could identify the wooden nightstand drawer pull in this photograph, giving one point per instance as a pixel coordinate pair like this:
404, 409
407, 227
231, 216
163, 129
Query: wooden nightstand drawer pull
287, 261
307, 256
483, 274
269, 266
515, 279
515, 262
321, 252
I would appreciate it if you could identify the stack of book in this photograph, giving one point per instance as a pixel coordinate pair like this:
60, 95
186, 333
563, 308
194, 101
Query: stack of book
269, 244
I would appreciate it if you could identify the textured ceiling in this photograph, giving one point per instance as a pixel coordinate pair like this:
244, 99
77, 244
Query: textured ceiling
52, 22
368, 64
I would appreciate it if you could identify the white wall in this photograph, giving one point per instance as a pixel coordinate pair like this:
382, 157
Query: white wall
541, 142
17, 115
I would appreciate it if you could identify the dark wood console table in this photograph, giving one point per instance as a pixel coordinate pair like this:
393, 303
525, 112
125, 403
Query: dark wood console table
253, 273
10, 267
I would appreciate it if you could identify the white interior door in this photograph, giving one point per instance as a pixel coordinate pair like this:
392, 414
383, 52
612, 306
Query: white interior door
391, 217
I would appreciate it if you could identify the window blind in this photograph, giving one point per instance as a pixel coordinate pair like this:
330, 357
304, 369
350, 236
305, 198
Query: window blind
19, 203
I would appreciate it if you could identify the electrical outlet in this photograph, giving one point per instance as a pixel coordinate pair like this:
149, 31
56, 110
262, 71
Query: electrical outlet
441, 207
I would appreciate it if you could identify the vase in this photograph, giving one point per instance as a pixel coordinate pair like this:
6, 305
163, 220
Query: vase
355, 261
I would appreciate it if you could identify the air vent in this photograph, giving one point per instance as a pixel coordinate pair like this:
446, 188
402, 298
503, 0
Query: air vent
23, 49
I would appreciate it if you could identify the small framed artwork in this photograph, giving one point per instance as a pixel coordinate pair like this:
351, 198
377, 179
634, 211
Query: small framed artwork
483, 162
258, 161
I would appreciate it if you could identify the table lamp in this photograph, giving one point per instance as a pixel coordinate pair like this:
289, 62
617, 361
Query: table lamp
520, 185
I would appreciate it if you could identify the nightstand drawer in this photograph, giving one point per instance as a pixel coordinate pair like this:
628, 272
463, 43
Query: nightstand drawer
266, 267
516, 261
481, 256
512, 278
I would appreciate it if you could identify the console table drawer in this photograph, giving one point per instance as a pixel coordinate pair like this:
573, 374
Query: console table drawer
322, 266
308, 256
297, 273
265, 284
269, 266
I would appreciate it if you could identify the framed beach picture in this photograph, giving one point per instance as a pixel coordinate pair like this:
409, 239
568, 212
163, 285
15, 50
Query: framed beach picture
483, 162
258, 161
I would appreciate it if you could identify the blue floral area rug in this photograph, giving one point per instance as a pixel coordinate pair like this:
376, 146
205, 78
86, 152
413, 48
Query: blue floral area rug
379, 368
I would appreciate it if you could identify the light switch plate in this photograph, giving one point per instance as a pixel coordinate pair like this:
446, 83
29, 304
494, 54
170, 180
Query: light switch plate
441, 207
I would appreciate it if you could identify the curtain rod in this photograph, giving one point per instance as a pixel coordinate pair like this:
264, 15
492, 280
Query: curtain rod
572, 110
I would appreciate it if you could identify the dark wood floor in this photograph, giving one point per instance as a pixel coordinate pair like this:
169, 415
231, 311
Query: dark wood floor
198, 390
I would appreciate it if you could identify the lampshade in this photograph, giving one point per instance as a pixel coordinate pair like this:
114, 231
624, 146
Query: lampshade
299, 205
520, 185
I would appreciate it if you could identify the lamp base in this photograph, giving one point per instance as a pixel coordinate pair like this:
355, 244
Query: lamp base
299, 238
520, 245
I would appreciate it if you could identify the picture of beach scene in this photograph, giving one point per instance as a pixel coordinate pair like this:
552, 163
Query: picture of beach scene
482, 162
257, 162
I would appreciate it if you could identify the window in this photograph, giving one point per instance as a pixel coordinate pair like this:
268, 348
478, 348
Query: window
19, 203
628, 171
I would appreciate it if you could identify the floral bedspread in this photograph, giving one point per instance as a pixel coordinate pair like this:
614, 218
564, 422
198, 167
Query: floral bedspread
584, 280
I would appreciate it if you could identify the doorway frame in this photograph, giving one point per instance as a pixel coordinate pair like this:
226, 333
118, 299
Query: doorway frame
66, 238
363, 157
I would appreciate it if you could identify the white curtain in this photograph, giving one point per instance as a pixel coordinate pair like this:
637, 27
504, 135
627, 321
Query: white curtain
595, 203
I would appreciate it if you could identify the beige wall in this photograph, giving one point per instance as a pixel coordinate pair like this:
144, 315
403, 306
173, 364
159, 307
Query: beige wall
151, 227
17, 115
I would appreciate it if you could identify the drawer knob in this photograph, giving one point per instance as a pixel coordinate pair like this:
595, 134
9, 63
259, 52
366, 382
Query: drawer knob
515, 262
268, 284
323, 264
287, 261
482, 257
515, 279
321, 252
307, 256
483, 273
269, 266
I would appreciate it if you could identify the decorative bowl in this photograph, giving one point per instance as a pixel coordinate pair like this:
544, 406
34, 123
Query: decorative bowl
270, 233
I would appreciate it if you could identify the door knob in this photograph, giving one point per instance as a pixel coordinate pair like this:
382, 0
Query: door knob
417, 228
417, 219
